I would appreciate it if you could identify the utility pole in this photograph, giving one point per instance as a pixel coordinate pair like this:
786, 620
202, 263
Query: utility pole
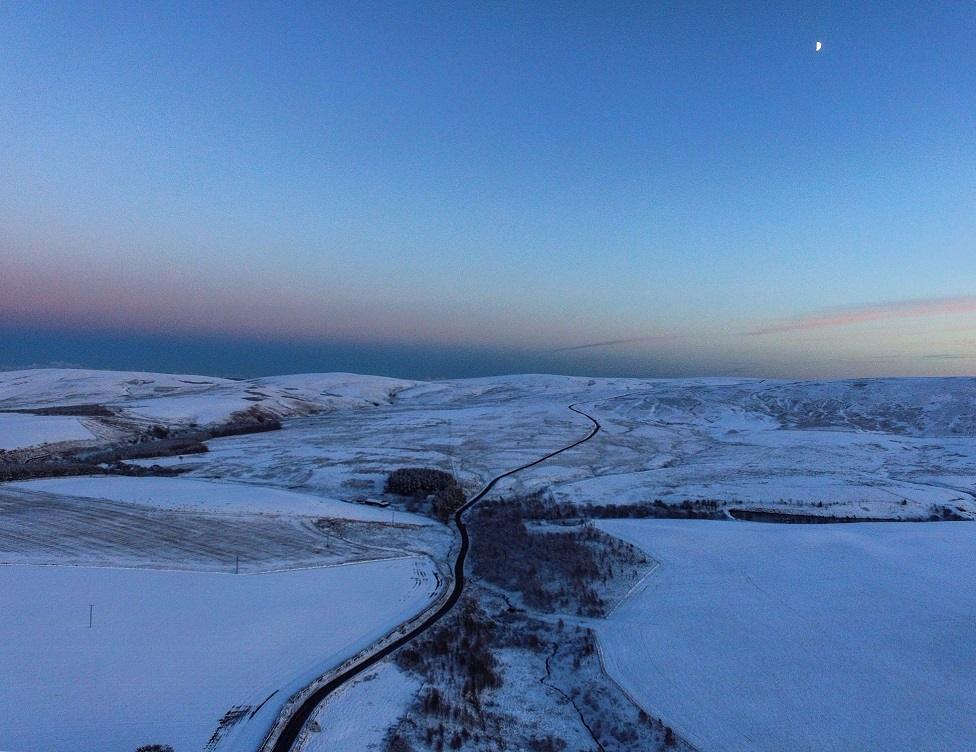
91, 614
237, 564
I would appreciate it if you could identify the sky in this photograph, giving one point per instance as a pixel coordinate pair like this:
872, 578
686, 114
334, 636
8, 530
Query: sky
457, 189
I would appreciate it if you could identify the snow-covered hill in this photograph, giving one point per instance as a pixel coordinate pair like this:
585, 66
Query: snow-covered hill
86, 398
888, 448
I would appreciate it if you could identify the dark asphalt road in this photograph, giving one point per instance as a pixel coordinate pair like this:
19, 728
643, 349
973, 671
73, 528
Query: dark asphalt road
293, 727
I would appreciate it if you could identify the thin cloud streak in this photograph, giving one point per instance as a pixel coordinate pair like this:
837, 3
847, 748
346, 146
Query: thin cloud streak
614, 342
949, 356
877, 312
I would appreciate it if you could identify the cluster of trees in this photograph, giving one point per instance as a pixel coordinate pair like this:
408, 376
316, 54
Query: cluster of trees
461, 648
24, 471
556, 568
252, 420
943, 512
435, 704
81, 411
574, 671
447, 501
456, 659
410, 481
697, 509
441, 488
162, 447
553, 571
537, 507
547, 744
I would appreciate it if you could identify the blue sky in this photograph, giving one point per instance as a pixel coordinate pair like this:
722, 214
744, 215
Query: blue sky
689, 182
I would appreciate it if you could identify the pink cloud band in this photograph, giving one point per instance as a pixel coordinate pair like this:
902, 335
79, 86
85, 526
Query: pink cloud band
877, 312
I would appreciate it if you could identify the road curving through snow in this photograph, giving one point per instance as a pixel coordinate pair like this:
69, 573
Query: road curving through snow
289, 727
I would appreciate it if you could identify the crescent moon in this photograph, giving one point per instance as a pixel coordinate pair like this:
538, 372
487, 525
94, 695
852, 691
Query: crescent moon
819, 47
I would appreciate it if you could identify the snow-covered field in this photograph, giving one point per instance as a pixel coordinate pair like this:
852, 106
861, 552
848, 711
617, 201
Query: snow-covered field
171, 653
758, 637
866, 447
186, 494
22, 430
887, 448
44, 528
769, 637
857, 448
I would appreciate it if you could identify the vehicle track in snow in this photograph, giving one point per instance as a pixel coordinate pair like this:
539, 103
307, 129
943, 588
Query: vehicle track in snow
291, 730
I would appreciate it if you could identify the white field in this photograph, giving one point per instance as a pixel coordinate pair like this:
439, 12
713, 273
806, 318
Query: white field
187, 494
22, 430
762, 637
171, 652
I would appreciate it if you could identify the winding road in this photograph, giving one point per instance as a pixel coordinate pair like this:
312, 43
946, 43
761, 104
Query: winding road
290, 731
